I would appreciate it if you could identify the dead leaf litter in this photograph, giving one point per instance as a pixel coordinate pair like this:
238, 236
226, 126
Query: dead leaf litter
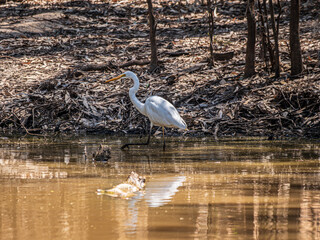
56, 56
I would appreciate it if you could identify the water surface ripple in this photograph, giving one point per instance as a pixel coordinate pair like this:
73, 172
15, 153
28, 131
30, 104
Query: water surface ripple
196, 189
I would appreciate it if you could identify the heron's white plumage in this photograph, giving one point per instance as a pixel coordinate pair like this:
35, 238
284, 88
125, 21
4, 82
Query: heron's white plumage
159, 111
163, 113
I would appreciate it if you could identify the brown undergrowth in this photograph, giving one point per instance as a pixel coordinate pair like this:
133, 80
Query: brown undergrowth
56, 56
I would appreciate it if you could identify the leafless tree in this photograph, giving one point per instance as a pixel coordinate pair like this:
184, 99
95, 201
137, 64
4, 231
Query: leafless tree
210, 13
263, 35
275, 29
251, 40
153, 42
295, 49
269, 30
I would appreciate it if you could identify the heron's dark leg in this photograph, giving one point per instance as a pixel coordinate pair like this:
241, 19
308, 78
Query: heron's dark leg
146, 143
164, 141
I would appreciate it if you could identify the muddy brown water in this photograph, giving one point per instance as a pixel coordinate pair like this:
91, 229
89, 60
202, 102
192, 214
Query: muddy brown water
196, 189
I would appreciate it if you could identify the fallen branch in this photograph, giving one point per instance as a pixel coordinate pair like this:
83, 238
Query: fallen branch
133, 63
28, 131
177, 53
223, 56
109, 65
194, 68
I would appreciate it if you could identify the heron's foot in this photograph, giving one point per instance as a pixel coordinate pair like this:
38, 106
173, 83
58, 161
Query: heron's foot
125, 146
134, 144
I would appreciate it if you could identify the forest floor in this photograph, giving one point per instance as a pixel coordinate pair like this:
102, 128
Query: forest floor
56, 55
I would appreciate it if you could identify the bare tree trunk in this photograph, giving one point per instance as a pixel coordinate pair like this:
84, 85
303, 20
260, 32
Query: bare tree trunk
269, 45
276, 39
295, 49
209, 3
154, 50
263, 33
251, 41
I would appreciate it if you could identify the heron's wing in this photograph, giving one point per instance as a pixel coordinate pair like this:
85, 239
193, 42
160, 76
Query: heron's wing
163, 113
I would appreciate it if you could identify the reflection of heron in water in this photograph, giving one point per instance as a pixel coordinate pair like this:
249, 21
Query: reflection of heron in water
158, 192
161, 191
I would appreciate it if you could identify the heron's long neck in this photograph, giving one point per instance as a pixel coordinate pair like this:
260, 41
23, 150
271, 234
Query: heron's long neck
132, 93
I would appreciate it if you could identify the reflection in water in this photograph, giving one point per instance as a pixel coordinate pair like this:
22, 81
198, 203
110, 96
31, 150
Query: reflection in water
201, 190
160, 191
157, 193
28, 170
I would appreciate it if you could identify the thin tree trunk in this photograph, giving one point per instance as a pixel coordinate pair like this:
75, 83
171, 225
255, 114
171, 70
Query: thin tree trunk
295, 49
209, 3
263, 37
154, 50
251, 41
276, 40
269, 45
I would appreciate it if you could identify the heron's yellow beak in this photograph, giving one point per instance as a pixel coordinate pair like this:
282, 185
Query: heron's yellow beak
115, 78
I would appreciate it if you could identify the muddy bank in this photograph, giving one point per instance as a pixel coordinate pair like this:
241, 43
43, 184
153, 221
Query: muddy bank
50, 81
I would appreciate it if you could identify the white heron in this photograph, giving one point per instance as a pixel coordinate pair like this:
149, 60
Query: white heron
159, 111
